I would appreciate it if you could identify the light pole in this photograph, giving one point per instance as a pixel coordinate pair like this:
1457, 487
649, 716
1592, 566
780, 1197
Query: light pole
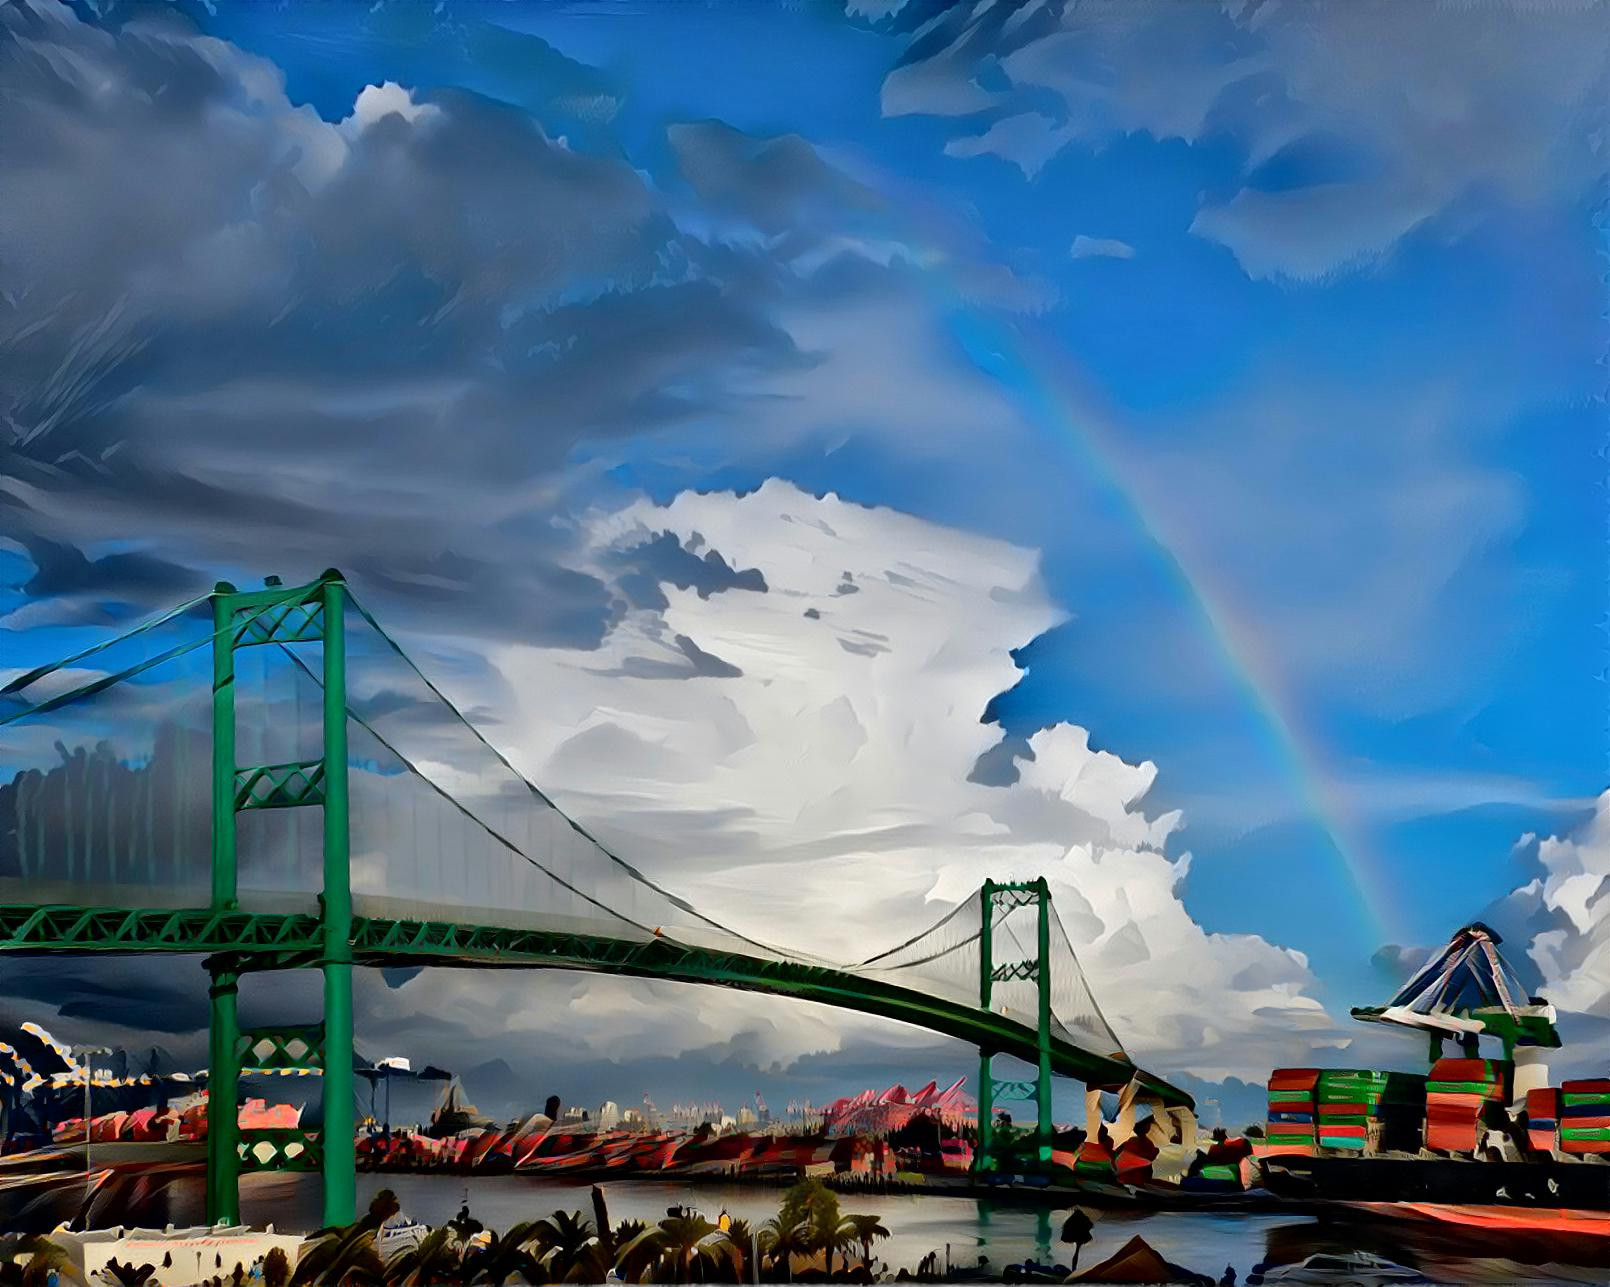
88, 1053
391, 1064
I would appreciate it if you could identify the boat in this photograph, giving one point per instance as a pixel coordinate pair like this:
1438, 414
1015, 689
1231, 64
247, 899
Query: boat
1562, 1222
399, 1234
1483, 1132
1441, 1180
1356, 1268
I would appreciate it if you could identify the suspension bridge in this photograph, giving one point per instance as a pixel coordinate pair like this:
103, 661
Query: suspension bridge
289, 790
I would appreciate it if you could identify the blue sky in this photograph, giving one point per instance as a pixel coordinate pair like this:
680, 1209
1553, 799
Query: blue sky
1491, 307
1306, 427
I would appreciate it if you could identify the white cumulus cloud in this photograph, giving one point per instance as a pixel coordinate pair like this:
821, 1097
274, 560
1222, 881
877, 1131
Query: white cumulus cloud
814, 790
1574, 884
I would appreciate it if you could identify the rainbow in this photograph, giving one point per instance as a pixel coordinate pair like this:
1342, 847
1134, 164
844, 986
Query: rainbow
1030, 377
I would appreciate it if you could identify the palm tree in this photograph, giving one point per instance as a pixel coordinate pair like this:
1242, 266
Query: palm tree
505, 1257
785, 1237
606, 1234
1077, 1229
682, 1238
740, 1235
838, 1236
626, 1230
119, 1274
639, 1249
438, 1258
863, 1229
561, 1241
346, 1254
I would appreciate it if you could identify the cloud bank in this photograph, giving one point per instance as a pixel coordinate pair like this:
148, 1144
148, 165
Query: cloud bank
1351, 141
809, 781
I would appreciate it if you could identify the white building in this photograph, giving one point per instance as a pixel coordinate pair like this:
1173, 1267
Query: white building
609, 1115
181, 1256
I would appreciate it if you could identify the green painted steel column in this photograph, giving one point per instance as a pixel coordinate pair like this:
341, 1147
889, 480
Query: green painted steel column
983, 1159
223, 1099
223, 1064
339, 1140
223, 749
1042, 1089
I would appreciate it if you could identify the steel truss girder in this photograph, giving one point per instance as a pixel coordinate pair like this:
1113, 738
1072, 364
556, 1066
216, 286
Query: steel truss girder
254, 941
278, 1149
59, 928
281, 1047
290, 620
279, 786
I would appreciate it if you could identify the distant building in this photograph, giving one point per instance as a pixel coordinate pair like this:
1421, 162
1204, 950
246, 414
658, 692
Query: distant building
609, 1115
574, 1114
746, 1116
879, 1112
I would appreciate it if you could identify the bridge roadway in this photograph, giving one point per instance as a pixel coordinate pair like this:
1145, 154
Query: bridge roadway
266, 941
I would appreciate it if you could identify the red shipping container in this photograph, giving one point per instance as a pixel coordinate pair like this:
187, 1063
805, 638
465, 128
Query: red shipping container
1463, 1070
1592, 1086
1344, 1110
1294, 1079
1454, 1101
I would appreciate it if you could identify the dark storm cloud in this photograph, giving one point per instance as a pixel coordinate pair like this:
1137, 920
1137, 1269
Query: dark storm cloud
165, 995
663, 560
246, 337
63, 569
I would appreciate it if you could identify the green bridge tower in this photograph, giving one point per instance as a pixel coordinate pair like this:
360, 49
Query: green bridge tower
314, 613
1007, 897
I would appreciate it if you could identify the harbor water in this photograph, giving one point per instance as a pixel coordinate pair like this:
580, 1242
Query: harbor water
960, 1229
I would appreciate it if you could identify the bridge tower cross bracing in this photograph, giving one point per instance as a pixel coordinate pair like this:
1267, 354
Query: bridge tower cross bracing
283, 616
1011, 895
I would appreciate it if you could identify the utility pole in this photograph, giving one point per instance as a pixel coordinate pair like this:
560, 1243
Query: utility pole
88, 1053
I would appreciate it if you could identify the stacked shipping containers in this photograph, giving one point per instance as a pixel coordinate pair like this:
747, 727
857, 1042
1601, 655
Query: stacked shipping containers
1543, 1118
1291, 1124
1584, 1120
1354, 1110
1462, 1095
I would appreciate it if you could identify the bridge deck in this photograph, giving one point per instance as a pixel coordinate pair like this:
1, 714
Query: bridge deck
263, 941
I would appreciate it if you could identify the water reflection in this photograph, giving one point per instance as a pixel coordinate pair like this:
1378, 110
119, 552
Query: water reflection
957, 1231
